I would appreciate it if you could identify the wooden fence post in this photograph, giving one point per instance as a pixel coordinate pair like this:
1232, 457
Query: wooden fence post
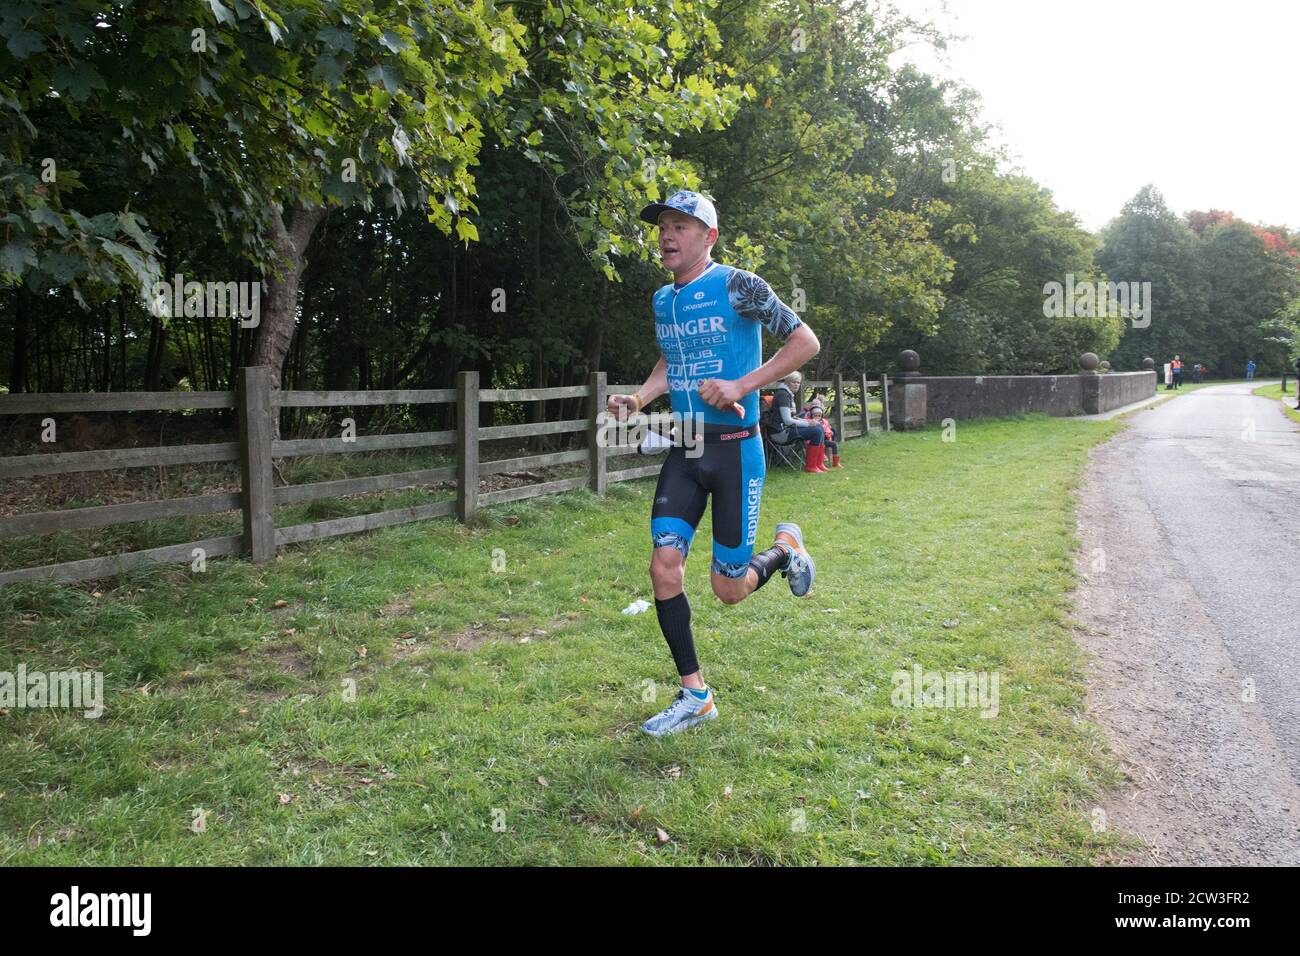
466, 445
884, 399
598, 451
866, 414
255, 437
839, 405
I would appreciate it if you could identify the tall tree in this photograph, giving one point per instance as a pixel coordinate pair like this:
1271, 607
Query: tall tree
1149, 243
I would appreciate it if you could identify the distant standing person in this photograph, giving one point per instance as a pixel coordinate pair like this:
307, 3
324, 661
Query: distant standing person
1250, 370
1178, 371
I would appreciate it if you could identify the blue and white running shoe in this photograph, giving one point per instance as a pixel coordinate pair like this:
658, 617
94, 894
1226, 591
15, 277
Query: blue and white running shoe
801, 570
686, 710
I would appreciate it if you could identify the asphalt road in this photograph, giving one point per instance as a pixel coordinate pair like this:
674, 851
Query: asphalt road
1190, 604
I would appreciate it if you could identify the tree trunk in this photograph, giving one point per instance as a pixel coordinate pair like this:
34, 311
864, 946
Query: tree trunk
299, 349
81, 365
275, 332
153, 361
18, 371
536, 411
106, 366
593, 345
596, 330
123, 384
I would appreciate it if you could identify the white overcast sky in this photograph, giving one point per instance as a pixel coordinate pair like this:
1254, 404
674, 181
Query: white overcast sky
1096, 98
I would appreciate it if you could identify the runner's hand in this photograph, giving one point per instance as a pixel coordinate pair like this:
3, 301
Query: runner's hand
721, 392
615, 402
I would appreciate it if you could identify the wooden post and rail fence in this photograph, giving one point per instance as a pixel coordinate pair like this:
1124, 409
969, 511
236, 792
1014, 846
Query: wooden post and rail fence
256, 406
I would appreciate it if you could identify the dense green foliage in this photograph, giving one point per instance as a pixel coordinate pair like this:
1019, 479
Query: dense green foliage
1224, 292
423, 188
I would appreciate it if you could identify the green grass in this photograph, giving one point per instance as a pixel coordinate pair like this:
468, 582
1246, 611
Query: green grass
954, 556
1287, 399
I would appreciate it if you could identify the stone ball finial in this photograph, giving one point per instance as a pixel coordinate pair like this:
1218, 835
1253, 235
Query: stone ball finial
1105, 366
1148, 363
908, 360
1088, 361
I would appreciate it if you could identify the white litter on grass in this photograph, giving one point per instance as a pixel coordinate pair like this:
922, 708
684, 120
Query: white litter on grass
636, 607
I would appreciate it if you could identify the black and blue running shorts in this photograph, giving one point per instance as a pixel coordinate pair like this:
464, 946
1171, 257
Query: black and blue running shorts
731, 470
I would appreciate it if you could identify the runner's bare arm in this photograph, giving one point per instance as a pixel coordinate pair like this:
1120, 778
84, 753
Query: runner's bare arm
655, 385
801, 346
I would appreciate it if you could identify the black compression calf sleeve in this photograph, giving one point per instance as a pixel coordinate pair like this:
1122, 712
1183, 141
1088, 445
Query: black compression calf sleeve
767, 563
675, 621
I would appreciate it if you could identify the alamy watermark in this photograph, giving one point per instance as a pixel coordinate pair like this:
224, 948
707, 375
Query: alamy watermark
656, 431
1091, 300
75, 908
951, 689
74, 690
217, 300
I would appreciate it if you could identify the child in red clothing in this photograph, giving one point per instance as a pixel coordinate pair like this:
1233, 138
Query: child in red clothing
816, 413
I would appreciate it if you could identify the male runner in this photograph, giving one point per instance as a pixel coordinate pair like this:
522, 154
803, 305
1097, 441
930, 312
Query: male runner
708, 323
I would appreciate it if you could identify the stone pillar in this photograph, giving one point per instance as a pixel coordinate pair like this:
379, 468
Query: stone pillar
1091, 381
906, 396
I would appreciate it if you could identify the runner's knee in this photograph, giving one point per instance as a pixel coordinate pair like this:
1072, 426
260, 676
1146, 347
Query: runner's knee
667, 564
729, 590
730, 580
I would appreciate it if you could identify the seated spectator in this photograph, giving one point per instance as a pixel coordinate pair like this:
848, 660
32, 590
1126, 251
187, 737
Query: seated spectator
785, 402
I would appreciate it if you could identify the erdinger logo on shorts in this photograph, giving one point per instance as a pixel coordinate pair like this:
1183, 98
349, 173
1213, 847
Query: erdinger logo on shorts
752, 499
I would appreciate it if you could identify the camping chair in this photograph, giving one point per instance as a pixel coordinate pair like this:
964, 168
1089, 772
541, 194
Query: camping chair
781, 445
783, 448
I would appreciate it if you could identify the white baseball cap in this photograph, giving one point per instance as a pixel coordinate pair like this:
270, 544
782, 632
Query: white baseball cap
687, 201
